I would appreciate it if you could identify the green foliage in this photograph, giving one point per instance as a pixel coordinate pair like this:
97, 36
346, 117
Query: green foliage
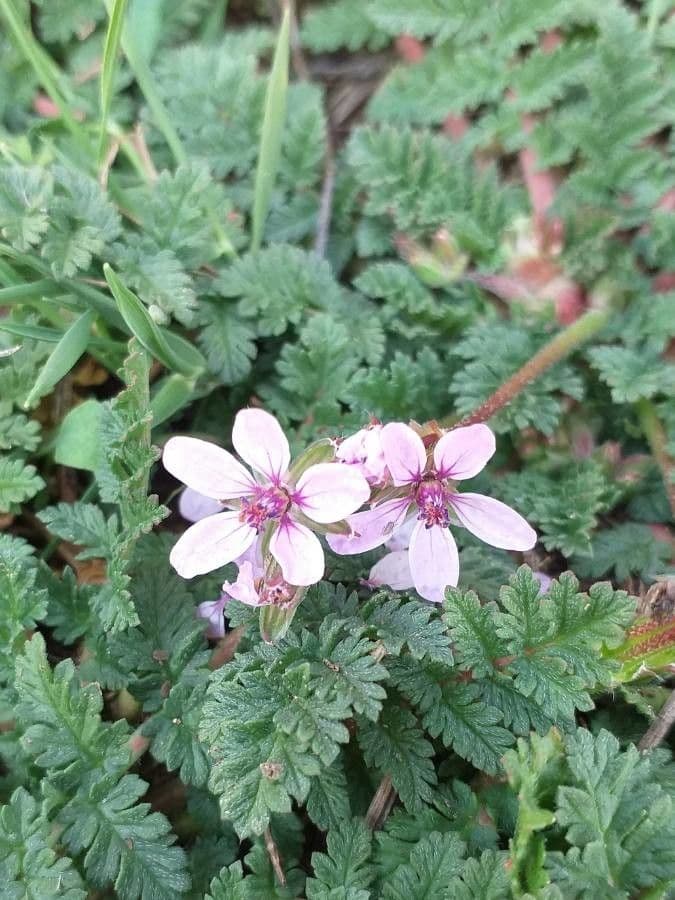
91, 797
564, 505
342, 870
29, 867
602, 814
435, 208
22, 601
260, 762
83, 524
24, 193
82, 223
492, 353
166, 648
433, 863
19, 481
421, 183
633, 374
623, 550
128, 459
537, 656
123, 840
396, 745
346, 23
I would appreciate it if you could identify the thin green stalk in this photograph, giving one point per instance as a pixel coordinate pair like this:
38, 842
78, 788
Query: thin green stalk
655, 433
272, 133
149, 90
19, 293
45, 69
656, 11
558, 348
110, 52
214, 22
102, 303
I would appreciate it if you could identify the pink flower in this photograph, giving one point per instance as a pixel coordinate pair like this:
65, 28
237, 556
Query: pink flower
325, 493
545, 581
212, 611
429, 491
194, 506
364, 450
246, 588
393, 569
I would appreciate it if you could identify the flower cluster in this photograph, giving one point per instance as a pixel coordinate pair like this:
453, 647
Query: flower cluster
266, 520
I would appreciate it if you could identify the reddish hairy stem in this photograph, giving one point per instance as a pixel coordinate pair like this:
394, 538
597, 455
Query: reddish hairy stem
661, 725
381, 804
556, 349
658, 442
275, 857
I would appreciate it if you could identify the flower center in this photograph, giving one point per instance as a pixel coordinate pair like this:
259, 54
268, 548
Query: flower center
266, 503
277, 593
432, 503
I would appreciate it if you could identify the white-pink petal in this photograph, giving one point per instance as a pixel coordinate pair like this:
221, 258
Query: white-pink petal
252, 555
298, 552
392, 570
212, 612
259, 440
243, 589
464, 452
364, 450
434, 561
327, 492
211, 543
400, 540
352, 449
370, 528
206, 468
404, 453
194, 506
493, 522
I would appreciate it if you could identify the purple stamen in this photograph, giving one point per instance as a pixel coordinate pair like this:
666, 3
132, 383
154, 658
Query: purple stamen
433, 504
265, 504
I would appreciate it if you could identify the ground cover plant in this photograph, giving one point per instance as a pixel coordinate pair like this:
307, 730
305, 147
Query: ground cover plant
336, 449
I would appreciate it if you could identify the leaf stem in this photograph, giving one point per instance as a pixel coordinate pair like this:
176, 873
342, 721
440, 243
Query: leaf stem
275, 857
556, 349
658, 443
381, 804
661, 725
46, 70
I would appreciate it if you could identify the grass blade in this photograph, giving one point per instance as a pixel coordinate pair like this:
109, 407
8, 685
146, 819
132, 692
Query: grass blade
171, 350
272, 128
46, 70
63, 357
146, 83
110, 52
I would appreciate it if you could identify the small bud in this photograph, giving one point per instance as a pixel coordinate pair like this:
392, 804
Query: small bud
274, 623
322, 451
433, 269
157, 314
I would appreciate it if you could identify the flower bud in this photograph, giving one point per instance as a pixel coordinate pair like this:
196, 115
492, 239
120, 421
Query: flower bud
322, 451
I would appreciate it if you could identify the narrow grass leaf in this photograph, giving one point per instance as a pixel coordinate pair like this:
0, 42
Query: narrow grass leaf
45, 68
63, 357
272, 128
171, 350
110, 55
